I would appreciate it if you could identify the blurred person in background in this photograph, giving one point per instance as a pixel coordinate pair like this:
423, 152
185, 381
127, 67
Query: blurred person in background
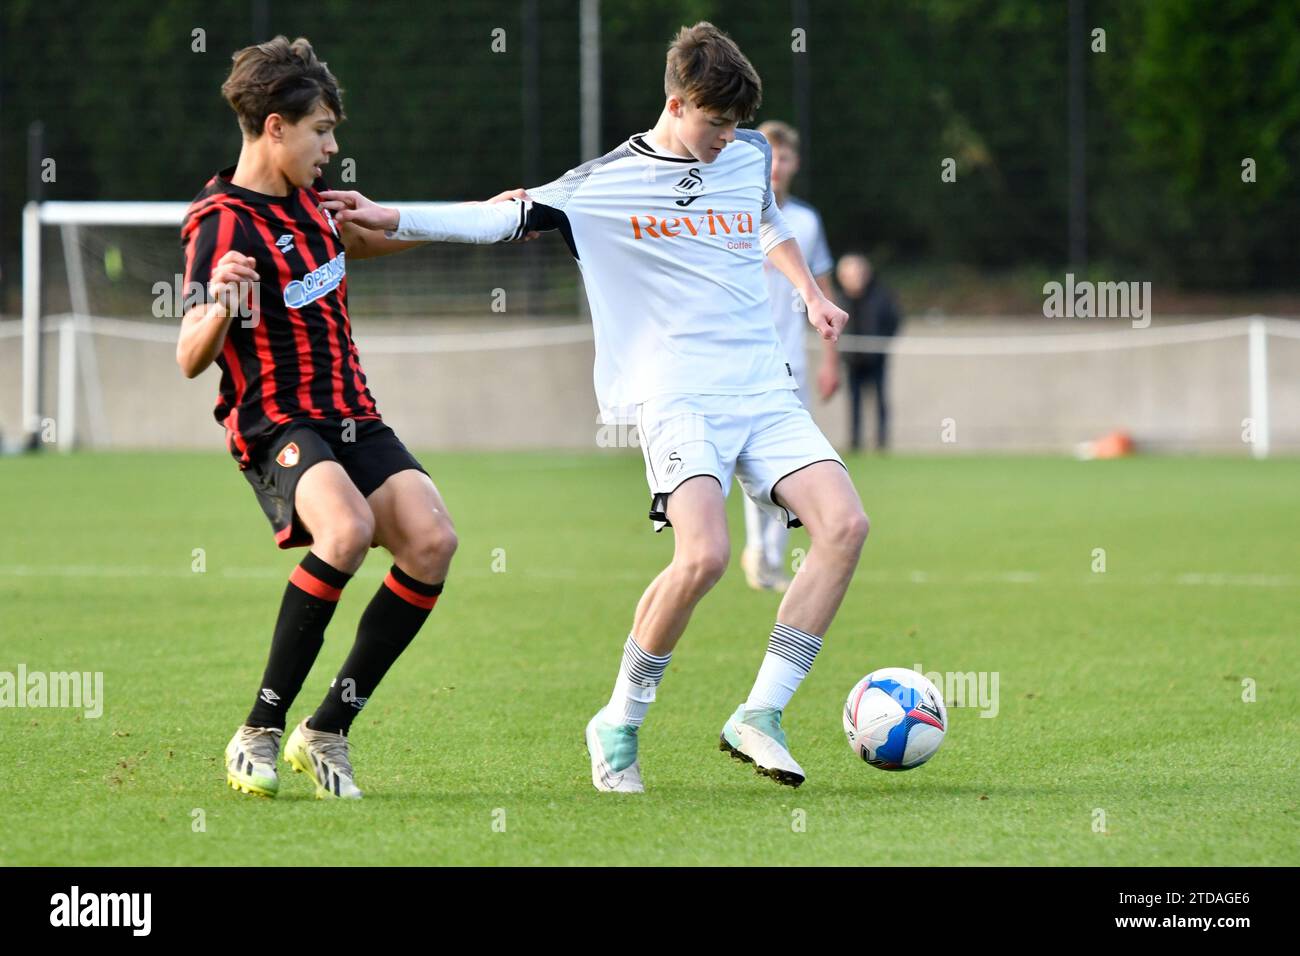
766, 536
872, 311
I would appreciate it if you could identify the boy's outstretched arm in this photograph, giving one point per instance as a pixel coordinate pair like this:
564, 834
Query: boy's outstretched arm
779, 245
823, 314
504, 217
362, 243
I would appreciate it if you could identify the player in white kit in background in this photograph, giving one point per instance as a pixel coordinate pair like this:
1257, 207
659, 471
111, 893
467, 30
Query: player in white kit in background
766, 535
671, 229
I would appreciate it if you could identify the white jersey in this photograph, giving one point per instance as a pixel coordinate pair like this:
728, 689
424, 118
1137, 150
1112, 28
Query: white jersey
671, 252
789, 314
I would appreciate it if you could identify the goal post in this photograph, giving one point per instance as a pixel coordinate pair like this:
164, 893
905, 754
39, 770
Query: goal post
70, 217
138, 244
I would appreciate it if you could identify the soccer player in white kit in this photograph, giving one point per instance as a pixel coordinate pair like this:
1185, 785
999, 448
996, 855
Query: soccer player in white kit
766, 535
670, 229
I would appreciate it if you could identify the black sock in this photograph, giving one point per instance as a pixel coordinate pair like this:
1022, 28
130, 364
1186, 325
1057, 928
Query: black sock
309, 601
389, 624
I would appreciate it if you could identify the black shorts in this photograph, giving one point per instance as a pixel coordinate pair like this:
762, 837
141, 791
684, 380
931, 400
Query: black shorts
373, 454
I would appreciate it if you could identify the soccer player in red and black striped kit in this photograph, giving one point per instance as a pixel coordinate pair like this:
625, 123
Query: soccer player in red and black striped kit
299, 417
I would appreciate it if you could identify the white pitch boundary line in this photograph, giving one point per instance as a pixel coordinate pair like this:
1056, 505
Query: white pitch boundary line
1249, 580
1188, 579
1042, 343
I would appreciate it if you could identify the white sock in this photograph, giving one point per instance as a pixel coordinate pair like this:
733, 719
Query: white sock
754, 538
775, 536
634, 690
789, 658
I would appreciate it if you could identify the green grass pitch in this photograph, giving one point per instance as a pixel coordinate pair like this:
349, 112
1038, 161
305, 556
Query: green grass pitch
1121, 734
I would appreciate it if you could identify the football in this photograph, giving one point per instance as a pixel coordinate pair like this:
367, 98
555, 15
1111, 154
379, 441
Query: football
895, 719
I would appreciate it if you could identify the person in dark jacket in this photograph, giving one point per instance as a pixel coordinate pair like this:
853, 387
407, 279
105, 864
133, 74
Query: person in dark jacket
872, 311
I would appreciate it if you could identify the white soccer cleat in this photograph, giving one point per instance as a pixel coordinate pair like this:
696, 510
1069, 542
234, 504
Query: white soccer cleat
755, 736
762, 576
614, 767
324, 757
250, 760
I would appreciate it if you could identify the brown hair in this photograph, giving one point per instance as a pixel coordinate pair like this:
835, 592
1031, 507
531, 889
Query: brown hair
279, 77
707, 68
780, 134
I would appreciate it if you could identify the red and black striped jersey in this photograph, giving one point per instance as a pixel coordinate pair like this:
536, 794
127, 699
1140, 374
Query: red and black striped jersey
293, 357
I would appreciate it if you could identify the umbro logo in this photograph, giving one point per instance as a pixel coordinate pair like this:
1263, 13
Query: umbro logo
285, 242
269, 696
691, 185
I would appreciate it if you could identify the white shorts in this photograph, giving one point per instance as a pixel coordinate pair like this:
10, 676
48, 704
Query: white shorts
758, 438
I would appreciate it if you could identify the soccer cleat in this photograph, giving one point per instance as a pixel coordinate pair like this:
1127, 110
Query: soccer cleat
755, 736
777, 579
760, 575
250, 760
751, 562
614, 767
324, 757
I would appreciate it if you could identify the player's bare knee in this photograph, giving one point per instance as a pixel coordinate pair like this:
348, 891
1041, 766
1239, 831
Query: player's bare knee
702, 568
845, 534
445, 542
348, 537
429, 553
861, 525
